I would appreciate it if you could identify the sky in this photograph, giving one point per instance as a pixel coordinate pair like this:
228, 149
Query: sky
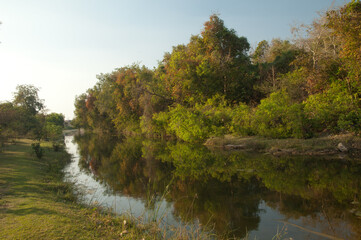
60, 46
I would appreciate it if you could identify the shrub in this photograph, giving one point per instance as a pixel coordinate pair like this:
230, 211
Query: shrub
332, 110
159, 123
277, 117
350, 121
218, 113
241, 120
188, 125
195, 124
37, 150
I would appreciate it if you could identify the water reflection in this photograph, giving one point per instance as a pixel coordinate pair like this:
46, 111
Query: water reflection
235, 193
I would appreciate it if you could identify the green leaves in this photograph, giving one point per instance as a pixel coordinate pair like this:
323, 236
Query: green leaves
332, 110
277, 117
27, 97
201, 88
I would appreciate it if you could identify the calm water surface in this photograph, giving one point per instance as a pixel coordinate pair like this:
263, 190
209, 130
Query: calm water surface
230, 193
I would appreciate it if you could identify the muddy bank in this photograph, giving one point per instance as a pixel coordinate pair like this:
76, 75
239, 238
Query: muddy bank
344, 145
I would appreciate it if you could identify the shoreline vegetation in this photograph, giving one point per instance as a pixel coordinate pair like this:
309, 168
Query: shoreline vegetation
281, 99
215, 86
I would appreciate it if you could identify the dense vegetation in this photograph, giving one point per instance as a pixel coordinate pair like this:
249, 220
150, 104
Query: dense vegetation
25, 117
215, 85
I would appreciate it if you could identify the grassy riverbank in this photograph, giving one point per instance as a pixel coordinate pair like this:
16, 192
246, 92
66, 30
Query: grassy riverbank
36, 204
327, 145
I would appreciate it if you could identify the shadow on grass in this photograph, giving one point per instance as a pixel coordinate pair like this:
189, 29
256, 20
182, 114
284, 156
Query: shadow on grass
30, 210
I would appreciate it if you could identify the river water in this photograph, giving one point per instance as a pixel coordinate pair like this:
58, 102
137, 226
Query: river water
233, 194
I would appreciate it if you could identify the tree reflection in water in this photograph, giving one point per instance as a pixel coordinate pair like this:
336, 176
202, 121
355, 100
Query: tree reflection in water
225, 189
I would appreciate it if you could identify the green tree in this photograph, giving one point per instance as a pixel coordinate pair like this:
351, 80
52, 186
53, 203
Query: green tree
9, 117
273, 60
129, 89
214, 62
27, 97
80, 112
56, 119
53, 126
259, 55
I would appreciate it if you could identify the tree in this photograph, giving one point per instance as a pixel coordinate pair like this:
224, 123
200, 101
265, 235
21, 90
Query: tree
9, 117
346, 25
259, 55
27, 97
214, 62
227, 54
80, 111
55, 118
273, 60
319, 55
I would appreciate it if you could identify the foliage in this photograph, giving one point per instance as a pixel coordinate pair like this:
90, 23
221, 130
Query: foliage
38, 150
277, 117
23, 117
212, 118
218, 112
80, 112
27, 97
295, 84
56, 119
350, 121
241, 120
319, 55
187, 124
212, 86
346, 25
272, 61
52, 131
53, 126
332, 110
214, 62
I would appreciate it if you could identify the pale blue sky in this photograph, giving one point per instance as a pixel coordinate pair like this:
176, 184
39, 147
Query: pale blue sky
61, 45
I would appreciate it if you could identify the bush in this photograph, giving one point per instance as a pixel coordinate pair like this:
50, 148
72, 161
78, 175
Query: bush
212, 118
241, 120
332, 110
52, 131
218, 113
37, 150
159, 124
188, 125
350, 121
277, 117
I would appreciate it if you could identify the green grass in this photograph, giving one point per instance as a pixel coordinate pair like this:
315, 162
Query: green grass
36, 204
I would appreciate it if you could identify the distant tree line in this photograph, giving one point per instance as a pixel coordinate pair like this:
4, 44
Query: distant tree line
25, 117
215, 85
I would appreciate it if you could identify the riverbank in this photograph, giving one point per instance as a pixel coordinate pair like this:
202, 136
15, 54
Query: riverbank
36, 204
342, 145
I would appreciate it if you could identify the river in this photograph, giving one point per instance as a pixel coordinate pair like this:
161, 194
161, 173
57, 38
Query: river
233, 194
